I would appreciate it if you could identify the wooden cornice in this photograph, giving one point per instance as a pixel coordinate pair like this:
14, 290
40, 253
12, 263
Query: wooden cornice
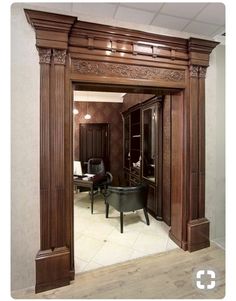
62, 32
200, 45
200, 50
52, 30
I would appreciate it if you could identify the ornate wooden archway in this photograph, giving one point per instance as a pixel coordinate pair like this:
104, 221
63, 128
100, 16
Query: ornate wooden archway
74, 51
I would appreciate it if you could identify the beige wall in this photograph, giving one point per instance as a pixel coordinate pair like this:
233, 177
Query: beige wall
25, 143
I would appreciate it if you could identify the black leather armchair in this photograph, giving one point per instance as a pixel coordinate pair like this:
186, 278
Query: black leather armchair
96, 166
125, 199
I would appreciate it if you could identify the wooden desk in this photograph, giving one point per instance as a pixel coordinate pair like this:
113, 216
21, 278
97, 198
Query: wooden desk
79, 182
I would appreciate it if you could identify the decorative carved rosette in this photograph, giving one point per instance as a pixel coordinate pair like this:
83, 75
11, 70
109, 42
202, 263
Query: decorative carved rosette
202, 72
59, 56
44, 55
193, 70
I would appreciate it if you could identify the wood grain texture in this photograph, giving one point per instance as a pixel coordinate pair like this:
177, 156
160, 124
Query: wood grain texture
201, 138
198, 234
167, 275
194, 143
177, 167
166, 161
52, 269
45, 148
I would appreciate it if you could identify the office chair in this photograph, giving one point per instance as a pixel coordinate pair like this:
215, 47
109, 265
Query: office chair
96, 166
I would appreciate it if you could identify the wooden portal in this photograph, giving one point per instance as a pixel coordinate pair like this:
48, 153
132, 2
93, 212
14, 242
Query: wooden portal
102, 57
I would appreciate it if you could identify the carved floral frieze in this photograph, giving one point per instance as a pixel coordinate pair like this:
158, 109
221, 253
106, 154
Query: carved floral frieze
126, 71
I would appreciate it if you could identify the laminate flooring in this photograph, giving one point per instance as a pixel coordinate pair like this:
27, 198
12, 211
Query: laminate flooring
165, 275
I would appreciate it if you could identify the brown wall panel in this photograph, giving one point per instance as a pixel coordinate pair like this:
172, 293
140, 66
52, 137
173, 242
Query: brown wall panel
177, 166
166, 193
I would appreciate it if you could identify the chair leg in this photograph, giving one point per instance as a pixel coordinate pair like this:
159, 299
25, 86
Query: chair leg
146, 216
121, 222
107, 210
92, 199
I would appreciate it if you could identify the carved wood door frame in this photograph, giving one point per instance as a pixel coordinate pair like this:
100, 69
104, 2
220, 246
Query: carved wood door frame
98, 56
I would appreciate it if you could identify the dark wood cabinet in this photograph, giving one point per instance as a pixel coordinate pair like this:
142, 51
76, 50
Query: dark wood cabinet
143, 150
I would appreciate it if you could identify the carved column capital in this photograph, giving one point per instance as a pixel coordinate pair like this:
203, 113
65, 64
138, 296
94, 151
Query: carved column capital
193, 70
44, 55
59, 56
202, 72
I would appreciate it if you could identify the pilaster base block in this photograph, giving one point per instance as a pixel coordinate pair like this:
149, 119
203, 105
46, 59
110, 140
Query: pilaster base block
52, 269
198, 234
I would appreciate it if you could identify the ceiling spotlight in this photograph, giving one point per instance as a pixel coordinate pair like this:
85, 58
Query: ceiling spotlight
87, 116
75, 111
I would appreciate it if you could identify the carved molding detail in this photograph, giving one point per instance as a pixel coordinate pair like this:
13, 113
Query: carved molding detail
44, 55
193, 70
126, 71
197, 71
59, 56
202, 72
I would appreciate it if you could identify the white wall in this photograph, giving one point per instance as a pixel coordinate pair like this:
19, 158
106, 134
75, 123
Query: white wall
24, 151
215, 145
25, 142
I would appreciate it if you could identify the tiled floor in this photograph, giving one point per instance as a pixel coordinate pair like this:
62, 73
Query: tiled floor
98, 241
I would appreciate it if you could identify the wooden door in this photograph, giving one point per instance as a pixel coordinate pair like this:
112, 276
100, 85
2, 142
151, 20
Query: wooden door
94, 143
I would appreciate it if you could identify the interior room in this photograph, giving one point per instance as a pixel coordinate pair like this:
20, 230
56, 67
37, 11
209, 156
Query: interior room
98, 241
118, 156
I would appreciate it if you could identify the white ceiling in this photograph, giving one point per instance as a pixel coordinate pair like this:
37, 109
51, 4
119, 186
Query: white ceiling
201, 18
87, 96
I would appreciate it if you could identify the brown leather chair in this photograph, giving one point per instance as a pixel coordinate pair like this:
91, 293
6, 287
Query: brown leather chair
126, 199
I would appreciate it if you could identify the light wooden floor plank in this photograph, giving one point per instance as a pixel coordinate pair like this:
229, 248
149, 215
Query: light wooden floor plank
164, 275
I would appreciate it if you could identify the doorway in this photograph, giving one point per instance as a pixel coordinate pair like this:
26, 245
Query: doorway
97, 240
94, 142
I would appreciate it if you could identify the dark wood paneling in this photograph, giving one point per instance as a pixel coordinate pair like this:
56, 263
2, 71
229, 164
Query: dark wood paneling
166, 162
201, 133
45, 226
194, 130
198, 234
57, 153
52, 269
152, 202
159, 152
177, 194
53, 262
69, 195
